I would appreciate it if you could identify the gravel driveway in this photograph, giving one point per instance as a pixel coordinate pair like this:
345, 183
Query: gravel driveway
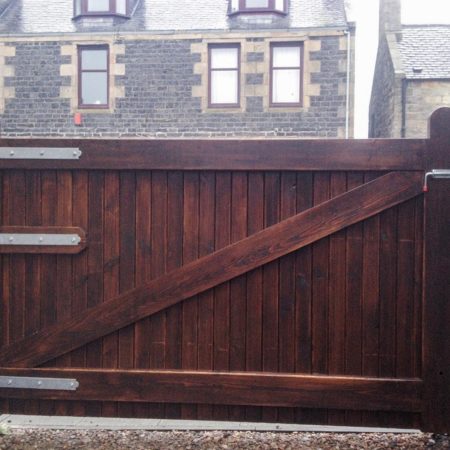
27, 439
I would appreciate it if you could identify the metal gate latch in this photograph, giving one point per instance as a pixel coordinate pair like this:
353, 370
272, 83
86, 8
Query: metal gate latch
435, 173
53, 384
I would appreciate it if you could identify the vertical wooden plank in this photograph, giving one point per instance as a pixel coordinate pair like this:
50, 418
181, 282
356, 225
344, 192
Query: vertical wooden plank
157, 323
303, 294
418, 284
222, 292
174, 260
320, 295
405, 291
238, 286
32, 267
95, 268
4, 290
190, 253
286, 314
353, 338
270, 288
143, 273
111, 256
254, 286
63, 268
370, 300
337, 325
127, 271
388, 291
17, 275
80, 269
49, 269
206, 299
436, 348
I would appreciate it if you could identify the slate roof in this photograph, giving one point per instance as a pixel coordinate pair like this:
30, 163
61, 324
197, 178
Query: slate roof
425, 51
55, 16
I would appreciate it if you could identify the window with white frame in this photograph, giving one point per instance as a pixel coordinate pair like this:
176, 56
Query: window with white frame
224, 75
286, 74
100, 7
237, 6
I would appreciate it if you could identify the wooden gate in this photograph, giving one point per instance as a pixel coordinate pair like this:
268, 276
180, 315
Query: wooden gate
292, 281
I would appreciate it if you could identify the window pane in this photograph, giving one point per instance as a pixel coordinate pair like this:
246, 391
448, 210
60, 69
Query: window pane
279, 5
121, 6
234, 5
77, 7
98, 5
224, 87
286, 56
256, 3
94, 88
94, 59
286, 86
224, 58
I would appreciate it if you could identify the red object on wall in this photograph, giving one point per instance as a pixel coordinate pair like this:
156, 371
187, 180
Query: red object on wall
77, 119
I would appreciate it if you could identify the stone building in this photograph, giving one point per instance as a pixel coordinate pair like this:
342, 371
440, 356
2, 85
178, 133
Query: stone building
412, 75
179, 68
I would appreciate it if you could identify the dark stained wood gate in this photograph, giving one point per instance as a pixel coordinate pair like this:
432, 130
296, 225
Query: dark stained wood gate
292, 281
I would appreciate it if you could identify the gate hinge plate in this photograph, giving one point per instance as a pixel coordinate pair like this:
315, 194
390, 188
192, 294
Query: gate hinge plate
40, 153
54, 384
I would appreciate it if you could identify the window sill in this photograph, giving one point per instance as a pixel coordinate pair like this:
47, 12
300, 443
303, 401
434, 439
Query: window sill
257, 11
100, 15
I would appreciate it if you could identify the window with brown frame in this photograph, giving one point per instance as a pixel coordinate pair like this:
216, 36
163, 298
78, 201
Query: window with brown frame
286, 61
237, 6
100, 7
93, 76
224, 75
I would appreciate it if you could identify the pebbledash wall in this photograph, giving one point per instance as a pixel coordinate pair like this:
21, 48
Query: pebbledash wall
158, 87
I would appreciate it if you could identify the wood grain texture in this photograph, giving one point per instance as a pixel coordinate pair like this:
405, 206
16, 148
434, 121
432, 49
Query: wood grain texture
238, 388
219, 267
279, 154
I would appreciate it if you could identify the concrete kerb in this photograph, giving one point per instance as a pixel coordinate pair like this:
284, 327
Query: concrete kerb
14, 421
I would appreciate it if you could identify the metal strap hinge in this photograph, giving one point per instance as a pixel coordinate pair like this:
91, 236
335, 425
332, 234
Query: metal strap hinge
54, 384
435, 173
39, 239
40, 153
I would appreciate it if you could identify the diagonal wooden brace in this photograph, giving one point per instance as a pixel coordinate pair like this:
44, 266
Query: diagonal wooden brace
221, 266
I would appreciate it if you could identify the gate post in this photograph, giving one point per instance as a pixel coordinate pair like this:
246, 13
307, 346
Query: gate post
436, 298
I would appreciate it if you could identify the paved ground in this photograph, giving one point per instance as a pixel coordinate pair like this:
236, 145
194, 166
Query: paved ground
57, 433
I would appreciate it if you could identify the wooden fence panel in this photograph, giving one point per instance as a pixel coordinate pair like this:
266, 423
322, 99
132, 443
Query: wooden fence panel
302, 264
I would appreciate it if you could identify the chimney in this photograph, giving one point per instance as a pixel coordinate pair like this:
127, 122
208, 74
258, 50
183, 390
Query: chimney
390, 16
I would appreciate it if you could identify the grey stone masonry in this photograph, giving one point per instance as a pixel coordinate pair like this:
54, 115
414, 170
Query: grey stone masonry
157, 84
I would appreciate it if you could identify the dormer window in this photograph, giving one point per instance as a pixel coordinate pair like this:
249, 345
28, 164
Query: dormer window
100, 7
258, 6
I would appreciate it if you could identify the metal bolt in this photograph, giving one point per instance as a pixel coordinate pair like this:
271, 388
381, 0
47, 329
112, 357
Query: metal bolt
39, 383
9, 381
11, 152
11, 239
42, 152
74, 239
75, 153
41, 239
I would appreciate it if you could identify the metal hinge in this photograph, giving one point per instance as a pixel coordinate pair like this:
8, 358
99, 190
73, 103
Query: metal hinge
40, 153
39, 239
435, 173
54, 384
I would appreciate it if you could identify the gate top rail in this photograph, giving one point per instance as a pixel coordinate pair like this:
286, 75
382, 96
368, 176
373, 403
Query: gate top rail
251, 154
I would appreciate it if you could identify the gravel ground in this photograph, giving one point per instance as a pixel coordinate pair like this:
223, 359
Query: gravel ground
27, 439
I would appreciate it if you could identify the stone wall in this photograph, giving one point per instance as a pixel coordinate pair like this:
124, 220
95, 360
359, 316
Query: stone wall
157, 88
423, 98
385, 103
